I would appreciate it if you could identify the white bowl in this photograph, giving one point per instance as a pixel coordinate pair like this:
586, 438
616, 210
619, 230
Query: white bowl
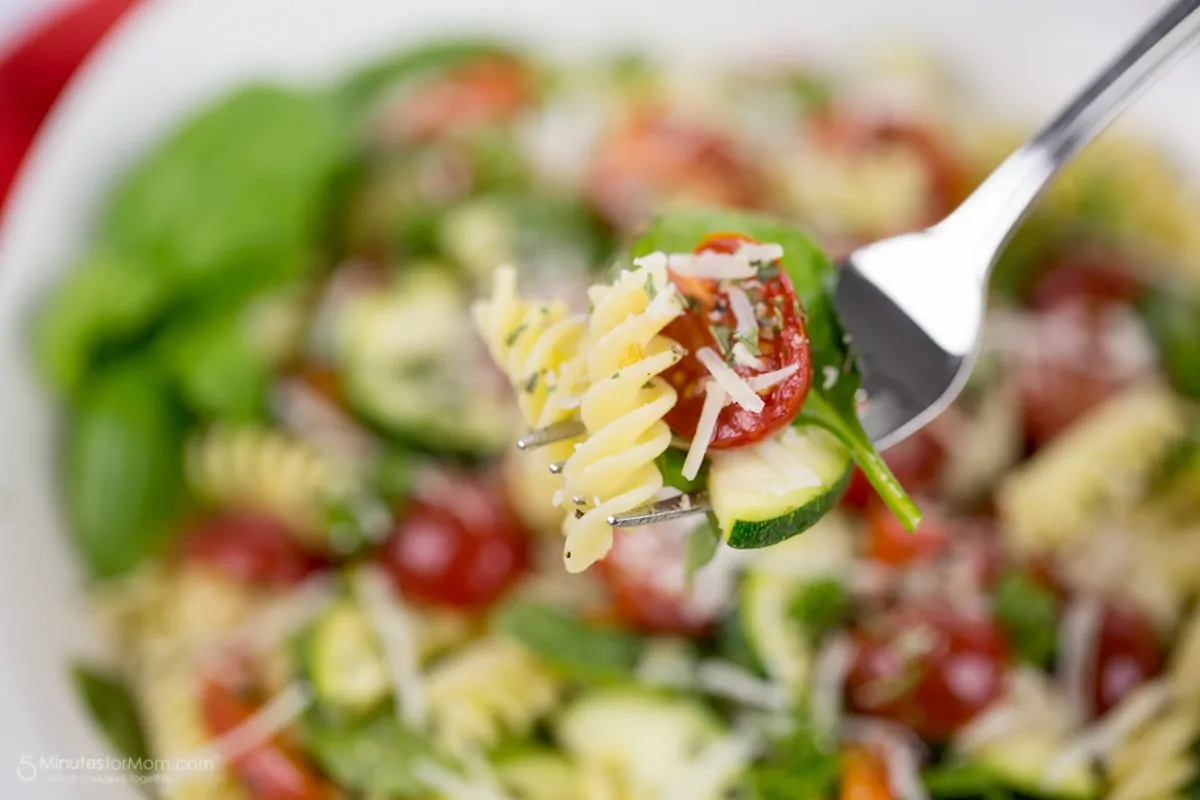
1024, 55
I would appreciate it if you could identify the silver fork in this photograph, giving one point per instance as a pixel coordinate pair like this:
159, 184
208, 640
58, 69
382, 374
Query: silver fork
914, 304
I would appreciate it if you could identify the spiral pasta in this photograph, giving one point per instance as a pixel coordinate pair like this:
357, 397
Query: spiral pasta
1154, 760
613, 470
484, 690
263, 470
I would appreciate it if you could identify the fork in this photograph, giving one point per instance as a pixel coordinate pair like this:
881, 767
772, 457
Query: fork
914, 304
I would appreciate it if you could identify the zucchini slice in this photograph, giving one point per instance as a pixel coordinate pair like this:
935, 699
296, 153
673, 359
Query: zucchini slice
538, 775
409, 367
1022, 762
345, 661
774, 490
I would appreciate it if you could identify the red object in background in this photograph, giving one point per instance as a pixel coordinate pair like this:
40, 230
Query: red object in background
37, 68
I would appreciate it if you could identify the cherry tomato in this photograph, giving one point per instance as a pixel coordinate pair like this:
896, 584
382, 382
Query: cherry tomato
780, 347
249, 547
489, 89
889, 543
272, 770
916, 462
931, 669
644, 573
1126, 655
656, 159
864, 776
457, 544
949, 182
1094, 276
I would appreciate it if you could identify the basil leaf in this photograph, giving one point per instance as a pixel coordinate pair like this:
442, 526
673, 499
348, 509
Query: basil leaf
124, 482
111, 706
813, 277
1173, 318
376, 757
820, 606
670, 464
702, 546
1028, 615
568, 643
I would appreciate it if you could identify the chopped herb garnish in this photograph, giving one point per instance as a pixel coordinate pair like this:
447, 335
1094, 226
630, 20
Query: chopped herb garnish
531, 383
616, 375
750, 342
511, 339
648, 385
724, 337
769, 272
651, 291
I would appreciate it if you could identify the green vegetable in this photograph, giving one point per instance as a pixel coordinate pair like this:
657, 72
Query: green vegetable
124, 483
376, 757
568, 643
221, 375
734, 646
670, 464
801, 763
820, 607
345, 661
813, 277
702, 546
1173, 318
965, 780
106, 301
1028, 615
236, 196
112, 709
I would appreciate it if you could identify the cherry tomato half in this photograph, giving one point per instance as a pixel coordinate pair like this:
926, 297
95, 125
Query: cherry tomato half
458, 544
272, 770
644, 573
782, 342
1126, 655
656, 159
248, 547
931, 669
889, 543
488, 89
1094, 276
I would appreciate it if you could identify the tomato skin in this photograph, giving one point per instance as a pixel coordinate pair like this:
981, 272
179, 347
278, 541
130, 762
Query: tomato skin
249, 547
1127, 654
916, 462
644, 575
655, 159
889, 543
485, 90
459, 546
1092, 276
737, 427
954, 667
272, 770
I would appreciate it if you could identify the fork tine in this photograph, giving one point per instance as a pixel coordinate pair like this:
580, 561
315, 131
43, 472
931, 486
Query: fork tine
558, 432
683, 505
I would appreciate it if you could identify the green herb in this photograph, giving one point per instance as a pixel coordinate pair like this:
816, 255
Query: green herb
813, 276
112, 708
512, 337
960, 781
531, 383
651, 291
670, 464
821, 606
1028, 615
702, 546
616, 375
1173, 319
724, 337
800, 764
750, 342
124, 481
768, 272
568, 643
376, 757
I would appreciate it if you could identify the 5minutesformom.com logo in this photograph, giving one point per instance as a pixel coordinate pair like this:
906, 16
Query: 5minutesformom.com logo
109, 769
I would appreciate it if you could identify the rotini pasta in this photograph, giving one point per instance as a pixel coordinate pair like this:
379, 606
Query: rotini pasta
613, 470
1096, 469
267, 471
484, 690
1154, 760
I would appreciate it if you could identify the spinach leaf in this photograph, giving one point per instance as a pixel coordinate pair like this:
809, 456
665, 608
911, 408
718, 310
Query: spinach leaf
124, 482
107, 300
568, 643
963, 780
112, 709
813, 277
821, 606
801, 763
1028, 615
670, 464
733, 645
376, 757
237, 195
1173, 318
702, 546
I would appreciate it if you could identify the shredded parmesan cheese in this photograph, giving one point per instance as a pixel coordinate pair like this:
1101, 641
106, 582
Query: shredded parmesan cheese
394, 627
714, 401
726, 679
743, 311
760, 383
275, 715
743, 356
760, 253
715, 767
829, 677
651, 261
711, 265
452, 786
735, 385
1107, 734
1078, 635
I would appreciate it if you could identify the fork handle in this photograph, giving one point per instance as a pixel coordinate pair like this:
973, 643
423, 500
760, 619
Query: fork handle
990, 215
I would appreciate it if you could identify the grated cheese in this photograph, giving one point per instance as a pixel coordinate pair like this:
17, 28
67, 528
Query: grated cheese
743, 356
728, 680
829, 678
263, 724
735, 385
452, 786
1114, 728
1079, 634
651, 261
393, 625
743, 311
710, 265
760, 383
760, 253
714, 401
715, 767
